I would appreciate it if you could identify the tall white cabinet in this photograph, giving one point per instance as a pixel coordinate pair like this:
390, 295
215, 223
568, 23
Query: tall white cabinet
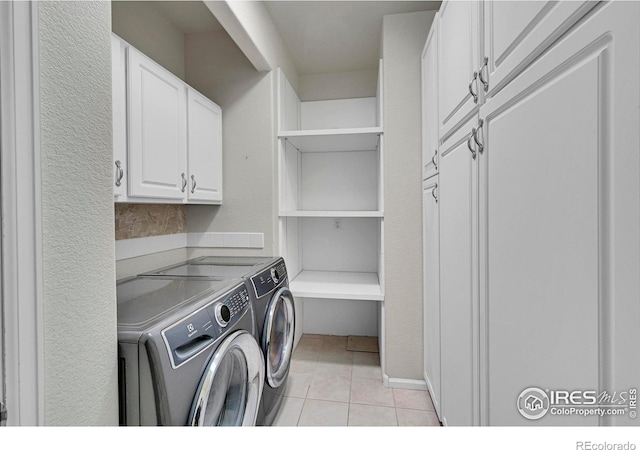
431, 218
331, 211
539, 212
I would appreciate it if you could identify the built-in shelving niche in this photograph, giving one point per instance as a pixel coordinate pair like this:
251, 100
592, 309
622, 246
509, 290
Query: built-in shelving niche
331, 210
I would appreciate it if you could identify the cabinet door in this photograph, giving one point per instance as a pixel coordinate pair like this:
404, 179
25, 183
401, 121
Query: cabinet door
430, 128
560, 200
119, 105
205, 149
516, 32
458, 60
458, 297
431, 290
157, 110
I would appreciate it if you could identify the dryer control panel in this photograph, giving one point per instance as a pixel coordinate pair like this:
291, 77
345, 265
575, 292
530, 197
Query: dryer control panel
199, 330
267, 280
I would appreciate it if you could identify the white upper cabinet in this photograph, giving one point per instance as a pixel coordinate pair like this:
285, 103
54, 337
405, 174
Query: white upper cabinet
516, 32
157, 130
167, 137
458, 62
430, 127
119, 102
205, 148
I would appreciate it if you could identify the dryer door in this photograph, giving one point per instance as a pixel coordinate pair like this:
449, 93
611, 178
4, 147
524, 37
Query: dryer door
230, 391
277, 336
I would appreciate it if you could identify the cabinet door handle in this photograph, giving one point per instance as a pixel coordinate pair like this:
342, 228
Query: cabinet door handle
434, 193
119, 173
473, 152
184, 182
484, 66
473, 94
193, 186
475, 136
433, 160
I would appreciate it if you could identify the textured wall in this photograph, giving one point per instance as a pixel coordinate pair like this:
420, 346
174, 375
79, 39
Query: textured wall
80, 339
404, 36
141, 220
217, 68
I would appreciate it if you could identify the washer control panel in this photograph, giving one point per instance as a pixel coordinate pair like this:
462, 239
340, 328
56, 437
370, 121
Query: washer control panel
193, 334
267, 280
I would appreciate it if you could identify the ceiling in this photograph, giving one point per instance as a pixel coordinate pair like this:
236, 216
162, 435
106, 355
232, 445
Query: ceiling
336, 36
321, 36
188, 16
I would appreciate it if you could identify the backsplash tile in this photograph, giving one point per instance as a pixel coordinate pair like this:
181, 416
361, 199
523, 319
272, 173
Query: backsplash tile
144, 220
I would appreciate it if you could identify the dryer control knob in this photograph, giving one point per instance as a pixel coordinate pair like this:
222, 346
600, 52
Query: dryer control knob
275, 276
223, 314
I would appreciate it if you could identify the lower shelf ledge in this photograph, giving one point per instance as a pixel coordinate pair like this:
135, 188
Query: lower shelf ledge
337, 285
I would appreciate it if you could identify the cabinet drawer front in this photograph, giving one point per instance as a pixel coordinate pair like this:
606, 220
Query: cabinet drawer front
157, 130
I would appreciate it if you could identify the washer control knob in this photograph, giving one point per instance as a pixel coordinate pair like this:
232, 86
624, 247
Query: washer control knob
275, 276
223, 314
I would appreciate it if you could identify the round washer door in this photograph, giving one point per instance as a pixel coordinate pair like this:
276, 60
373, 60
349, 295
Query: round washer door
277, 336
231, 388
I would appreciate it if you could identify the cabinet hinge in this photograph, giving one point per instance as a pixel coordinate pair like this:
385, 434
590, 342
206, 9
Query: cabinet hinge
3, 415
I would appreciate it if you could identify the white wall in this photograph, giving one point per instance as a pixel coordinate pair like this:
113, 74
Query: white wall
216, 67
403, 38
333, 86
140, 24
79, 301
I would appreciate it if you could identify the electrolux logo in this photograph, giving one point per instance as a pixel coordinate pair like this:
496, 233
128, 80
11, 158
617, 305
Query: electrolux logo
534, 403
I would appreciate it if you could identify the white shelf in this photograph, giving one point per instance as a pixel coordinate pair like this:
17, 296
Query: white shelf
334, 140
337, 285
331, 214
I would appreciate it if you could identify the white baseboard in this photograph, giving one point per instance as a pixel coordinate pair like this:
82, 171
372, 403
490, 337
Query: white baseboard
403, 383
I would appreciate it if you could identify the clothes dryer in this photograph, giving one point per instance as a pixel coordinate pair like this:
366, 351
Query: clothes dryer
267, 282
187, 352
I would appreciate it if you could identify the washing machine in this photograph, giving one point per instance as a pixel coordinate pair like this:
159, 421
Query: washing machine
268, 286
187, 353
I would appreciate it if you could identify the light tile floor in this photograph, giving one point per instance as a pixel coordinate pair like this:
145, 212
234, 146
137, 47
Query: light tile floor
329, 385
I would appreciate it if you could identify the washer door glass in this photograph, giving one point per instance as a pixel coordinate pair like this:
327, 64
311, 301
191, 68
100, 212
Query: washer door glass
277, 336
230, 391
